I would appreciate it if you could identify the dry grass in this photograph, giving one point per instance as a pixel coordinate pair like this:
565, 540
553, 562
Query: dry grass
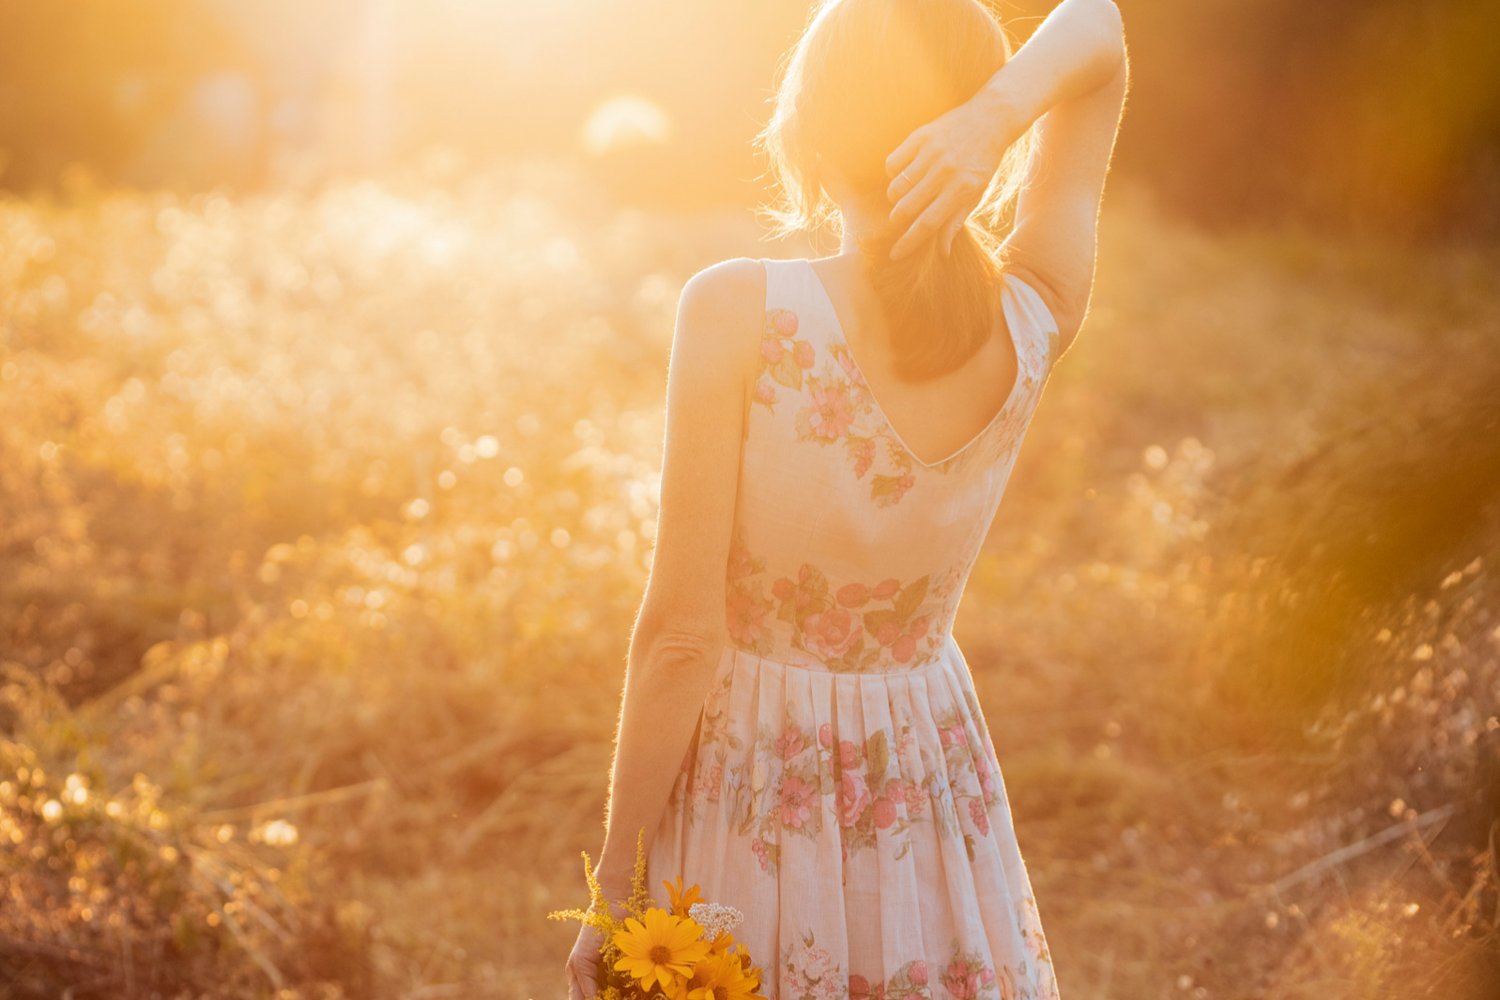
325, 514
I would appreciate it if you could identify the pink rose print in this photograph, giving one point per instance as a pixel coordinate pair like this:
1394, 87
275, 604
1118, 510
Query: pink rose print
802, 353
790, 744
863, 451
962, 978
796, 801
849, 754
919, 972
831, 633
854, 798
884, 812
745, 618
859, 987
713, 780
980, 817
804, 593
903, 649
784, 322
954, 735
765, 392
771, 349
832, 413
851, 371
825, 735
852, 595
830, 619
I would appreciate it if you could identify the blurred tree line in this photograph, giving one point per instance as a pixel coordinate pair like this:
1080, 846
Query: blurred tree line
1380, 113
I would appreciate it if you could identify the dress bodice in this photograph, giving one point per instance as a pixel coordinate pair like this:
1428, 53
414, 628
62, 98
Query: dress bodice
850, 553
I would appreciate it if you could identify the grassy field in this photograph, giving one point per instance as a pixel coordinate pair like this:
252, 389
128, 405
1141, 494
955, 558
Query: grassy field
324, 516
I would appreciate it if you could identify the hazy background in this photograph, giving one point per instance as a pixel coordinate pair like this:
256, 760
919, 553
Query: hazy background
333, 339
1369, 112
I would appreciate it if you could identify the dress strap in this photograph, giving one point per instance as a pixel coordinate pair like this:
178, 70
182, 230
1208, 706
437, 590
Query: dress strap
1038, 319
781, 285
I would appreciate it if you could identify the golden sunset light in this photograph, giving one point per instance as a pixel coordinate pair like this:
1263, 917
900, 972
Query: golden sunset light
823, 500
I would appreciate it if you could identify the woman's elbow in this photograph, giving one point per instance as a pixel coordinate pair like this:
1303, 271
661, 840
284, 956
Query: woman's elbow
682, 647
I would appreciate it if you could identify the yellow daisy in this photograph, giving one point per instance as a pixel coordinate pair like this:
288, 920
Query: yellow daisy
682, 898
719, 976
663, 948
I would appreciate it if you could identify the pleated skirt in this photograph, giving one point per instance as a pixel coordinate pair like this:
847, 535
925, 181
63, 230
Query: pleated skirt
860, 823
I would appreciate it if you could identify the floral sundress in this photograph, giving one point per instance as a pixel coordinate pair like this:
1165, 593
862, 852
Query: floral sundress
842, 789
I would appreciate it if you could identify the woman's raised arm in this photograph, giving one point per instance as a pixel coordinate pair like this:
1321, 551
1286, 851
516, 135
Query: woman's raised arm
1071, 74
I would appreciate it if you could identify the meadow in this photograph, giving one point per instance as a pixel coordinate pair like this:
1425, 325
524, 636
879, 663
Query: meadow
325, 513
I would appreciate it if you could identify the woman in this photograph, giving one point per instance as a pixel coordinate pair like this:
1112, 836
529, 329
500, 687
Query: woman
800, 734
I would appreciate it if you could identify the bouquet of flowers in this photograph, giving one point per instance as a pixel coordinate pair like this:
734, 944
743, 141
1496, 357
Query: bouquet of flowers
683, 951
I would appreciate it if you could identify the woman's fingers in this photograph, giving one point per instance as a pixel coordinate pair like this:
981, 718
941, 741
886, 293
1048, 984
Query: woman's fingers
583, 966
927, 187
581, 984
951, 231
902, 156
903, 183
929, 222
910, 174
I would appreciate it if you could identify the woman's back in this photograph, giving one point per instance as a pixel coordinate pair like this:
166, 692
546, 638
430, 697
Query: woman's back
843, 786
830, 487
935, 415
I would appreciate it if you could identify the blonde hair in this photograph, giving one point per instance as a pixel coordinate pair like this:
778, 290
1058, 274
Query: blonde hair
861, 77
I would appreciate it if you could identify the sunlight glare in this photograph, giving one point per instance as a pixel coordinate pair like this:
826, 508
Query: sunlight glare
624, 120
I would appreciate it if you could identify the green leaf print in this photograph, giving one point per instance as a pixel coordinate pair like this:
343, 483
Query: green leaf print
747, 822
787, 371
910, 598
878, 617
885, 486
811, 578
878, 752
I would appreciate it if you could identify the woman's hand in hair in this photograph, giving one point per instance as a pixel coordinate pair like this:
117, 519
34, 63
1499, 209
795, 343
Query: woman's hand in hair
940, 172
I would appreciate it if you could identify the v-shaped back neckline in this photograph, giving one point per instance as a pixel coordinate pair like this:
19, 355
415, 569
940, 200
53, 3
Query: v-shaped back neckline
841, 337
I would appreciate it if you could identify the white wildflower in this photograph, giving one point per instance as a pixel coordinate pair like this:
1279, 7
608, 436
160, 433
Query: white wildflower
715, 918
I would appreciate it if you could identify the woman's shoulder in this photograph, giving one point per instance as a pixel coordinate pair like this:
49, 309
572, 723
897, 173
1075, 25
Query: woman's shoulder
733, 281
732, 291
721, 311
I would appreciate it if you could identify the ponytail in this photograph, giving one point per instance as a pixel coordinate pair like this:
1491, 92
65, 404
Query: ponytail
938, 310
863, 75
